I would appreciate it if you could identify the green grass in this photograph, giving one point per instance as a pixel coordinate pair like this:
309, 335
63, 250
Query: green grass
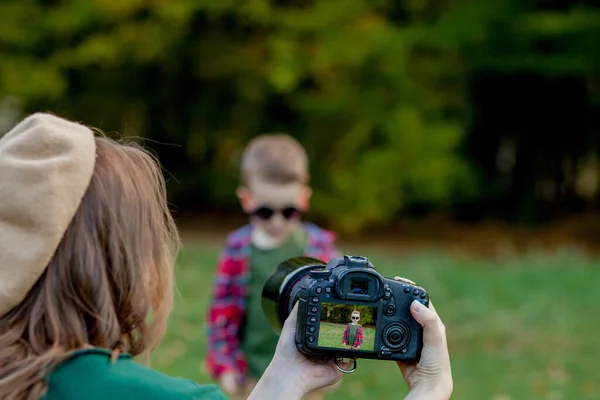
331, 335
518, 328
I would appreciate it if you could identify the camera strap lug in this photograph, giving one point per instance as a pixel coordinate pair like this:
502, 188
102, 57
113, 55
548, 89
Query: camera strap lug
341, 360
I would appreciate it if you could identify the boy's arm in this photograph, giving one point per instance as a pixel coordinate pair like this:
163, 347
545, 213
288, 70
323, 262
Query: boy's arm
328, 252
334, 252
359, 336
321, 244
224, 319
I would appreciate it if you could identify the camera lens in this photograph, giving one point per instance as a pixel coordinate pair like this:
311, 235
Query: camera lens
282, 289
396, 335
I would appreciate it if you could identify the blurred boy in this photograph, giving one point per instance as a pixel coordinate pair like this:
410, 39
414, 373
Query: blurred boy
274, 194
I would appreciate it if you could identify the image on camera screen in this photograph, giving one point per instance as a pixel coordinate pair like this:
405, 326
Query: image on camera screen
347, 326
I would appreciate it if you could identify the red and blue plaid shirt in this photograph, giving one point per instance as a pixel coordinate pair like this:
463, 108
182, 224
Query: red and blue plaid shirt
358, 340
230, 295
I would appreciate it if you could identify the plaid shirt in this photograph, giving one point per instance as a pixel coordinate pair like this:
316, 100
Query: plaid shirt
359, 336
230, 294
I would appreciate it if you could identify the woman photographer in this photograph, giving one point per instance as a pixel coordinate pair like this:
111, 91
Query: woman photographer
87, 249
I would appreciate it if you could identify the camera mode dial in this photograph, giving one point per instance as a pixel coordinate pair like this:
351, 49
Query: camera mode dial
320, 273
396, 335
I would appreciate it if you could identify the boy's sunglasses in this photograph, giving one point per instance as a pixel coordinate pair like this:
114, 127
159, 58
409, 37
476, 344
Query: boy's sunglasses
355, 317
265, 212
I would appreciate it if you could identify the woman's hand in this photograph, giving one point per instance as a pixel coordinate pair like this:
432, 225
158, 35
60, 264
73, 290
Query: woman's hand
431, 378
229, 382
291, 375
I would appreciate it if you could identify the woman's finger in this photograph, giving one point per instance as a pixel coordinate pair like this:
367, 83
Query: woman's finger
399, 278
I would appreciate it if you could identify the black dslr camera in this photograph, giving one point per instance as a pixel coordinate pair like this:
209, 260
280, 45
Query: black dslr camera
346, 309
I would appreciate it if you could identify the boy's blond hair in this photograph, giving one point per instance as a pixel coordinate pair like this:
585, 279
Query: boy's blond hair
275, 158
355, 312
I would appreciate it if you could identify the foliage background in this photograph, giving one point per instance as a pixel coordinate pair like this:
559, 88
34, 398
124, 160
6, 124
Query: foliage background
341, 313
475, 109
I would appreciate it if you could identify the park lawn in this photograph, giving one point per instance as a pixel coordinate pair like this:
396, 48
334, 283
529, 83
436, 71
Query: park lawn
521, 327
331, 335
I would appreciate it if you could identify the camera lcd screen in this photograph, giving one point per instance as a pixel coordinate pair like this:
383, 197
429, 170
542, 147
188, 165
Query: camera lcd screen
347, 326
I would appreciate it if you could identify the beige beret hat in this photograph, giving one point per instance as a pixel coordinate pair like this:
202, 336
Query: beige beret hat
46, 165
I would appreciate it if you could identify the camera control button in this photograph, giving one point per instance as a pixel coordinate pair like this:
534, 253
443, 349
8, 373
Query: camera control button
396, 335
312, 329
315, 299
387, 294
423, 295
314, 310
313, 320
311, 339
318, 290
416, 292
328, 289
385, 353
389, 309
406, 289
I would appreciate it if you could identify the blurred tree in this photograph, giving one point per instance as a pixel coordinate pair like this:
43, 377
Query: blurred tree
342, 313
535, 99
399, 103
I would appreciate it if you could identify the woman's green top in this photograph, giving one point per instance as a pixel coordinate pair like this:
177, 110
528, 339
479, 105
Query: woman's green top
89, 374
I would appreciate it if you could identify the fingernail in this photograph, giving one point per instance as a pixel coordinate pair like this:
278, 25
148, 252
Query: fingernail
417, 307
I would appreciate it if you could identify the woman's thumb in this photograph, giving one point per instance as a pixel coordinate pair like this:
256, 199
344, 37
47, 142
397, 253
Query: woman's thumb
290, 322
428, 319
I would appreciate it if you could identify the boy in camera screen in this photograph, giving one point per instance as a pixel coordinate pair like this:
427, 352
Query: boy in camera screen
274, 194
353, 335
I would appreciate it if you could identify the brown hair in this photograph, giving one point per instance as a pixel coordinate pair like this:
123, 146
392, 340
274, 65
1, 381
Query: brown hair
113, 268
275, 158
